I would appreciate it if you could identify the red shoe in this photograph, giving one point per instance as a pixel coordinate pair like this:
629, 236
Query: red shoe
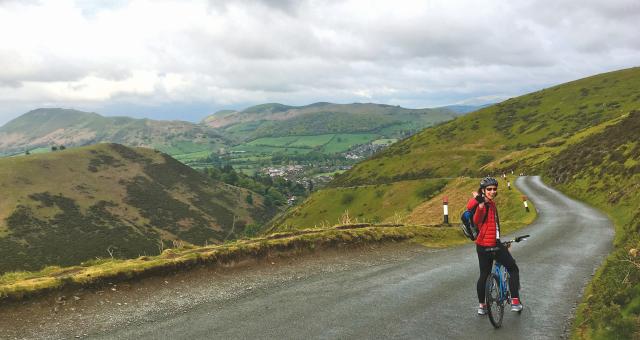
482, 309
516, 306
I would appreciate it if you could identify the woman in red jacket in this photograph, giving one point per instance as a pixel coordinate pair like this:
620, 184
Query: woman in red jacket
488, 243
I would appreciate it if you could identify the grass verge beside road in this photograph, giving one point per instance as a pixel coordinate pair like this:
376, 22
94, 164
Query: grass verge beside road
20, 285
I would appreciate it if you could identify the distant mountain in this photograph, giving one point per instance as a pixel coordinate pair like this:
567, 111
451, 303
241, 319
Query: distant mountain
51, 126
65, 207
277, 120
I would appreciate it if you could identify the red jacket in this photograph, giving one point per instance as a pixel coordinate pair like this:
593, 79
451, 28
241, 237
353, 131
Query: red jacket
486, 231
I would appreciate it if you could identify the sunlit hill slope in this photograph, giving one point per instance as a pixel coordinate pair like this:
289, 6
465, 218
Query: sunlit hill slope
65, 207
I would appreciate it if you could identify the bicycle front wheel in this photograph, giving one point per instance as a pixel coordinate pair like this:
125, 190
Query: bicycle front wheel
495, 305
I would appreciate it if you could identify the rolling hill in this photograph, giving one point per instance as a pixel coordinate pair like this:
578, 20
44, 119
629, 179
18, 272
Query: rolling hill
604, 170
277, 120
582, 136
535, 127
45, 127
65, 207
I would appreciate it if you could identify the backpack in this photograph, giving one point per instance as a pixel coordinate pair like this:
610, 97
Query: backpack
469, 228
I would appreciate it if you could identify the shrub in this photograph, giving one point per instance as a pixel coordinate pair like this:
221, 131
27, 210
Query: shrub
347, 198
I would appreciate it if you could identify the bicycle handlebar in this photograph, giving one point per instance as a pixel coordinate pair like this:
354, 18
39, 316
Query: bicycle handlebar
517, 239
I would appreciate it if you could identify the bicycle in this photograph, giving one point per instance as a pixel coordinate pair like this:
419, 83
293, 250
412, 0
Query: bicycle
497, 288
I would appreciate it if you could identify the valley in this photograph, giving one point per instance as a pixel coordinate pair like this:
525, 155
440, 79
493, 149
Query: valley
579, 136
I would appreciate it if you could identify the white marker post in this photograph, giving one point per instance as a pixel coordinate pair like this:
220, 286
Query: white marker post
445, 208
509, 185
526, 205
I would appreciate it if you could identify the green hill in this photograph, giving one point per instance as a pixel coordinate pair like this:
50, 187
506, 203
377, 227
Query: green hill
46, 127
277, 120
604, 170
538, 124
65, 207
582, 136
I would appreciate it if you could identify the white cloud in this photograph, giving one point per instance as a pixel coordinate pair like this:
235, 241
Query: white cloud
414, 53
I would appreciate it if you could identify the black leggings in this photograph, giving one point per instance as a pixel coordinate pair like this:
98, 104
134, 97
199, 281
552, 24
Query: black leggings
485, 260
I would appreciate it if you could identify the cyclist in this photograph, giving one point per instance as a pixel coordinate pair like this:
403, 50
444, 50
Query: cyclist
488, 242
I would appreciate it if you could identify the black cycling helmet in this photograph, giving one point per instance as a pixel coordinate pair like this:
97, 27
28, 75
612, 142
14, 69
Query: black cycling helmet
488, 181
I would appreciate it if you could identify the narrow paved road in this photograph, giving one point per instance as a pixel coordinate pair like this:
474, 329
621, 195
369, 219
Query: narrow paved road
429, 296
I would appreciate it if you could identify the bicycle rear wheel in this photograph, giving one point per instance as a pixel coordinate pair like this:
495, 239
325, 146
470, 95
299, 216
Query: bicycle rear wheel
495, 305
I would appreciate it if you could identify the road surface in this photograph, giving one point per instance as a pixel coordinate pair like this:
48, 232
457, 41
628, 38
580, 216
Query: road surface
429, 296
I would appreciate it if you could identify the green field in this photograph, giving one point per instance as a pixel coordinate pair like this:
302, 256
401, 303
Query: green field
327, 143
193, 156
312, 141
182, 147
187, 151
255, 150
273, 141
343, 142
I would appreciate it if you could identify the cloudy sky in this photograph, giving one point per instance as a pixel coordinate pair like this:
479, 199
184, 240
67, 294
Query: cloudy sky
186, 59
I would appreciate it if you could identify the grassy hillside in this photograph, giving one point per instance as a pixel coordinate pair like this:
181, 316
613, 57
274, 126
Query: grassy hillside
604, 170
329, 143
105, 200
407, 202
277, 120
537, 124
47, 127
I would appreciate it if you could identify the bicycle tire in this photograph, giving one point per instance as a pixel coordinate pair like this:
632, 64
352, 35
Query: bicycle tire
495, 305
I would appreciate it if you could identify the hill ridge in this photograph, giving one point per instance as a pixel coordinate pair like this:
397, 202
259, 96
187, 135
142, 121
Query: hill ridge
277, 120
134, 201
45, 127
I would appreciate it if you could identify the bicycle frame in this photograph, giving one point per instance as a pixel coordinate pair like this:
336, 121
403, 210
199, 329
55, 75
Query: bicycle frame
500, 271
497, 293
